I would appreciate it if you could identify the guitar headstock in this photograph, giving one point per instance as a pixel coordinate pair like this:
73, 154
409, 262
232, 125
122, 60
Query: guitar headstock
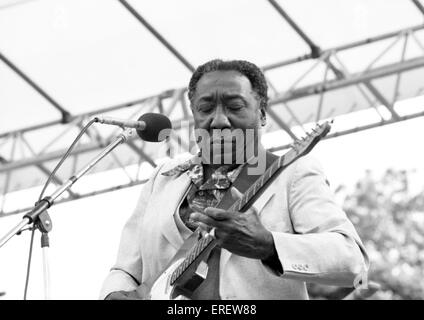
303, 146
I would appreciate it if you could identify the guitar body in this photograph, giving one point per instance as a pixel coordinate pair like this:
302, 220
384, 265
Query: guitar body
161, 288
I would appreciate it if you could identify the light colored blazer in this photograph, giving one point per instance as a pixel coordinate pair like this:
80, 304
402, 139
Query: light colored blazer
314, 239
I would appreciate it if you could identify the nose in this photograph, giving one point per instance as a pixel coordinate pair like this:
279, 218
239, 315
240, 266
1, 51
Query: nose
220, 119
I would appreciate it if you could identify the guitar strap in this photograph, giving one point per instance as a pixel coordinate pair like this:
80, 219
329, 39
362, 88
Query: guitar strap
209, 288
244, 181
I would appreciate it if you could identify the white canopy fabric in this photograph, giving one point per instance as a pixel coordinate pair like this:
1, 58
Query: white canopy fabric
65, 61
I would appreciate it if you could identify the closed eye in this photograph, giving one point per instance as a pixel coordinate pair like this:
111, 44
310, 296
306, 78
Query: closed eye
206, 108
235, 107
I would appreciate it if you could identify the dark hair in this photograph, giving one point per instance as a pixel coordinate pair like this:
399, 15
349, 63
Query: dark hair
248, 69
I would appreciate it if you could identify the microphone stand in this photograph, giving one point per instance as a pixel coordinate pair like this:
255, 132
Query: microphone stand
39, 216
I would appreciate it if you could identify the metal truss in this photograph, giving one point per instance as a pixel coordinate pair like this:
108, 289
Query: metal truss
21, 157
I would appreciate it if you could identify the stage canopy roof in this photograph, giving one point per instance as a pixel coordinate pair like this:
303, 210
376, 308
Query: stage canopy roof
64, 61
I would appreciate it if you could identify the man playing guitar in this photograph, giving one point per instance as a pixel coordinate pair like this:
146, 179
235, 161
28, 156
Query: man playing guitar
209, 228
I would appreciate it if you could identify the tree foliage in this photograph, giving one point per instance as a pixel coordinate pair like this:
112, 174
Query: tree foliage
389, 218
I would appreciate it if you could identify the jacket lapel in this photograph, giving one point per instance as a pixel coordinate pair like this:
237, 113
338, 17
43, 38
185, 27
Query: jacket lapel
173, 194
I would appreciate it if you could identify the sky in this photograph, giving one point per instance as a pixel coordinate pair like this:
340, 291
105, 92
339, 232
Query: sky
85, 58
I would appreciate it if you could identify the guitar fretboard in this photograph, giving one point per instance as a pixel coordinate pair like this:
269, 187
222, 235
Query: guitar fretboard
299, 148
206, 242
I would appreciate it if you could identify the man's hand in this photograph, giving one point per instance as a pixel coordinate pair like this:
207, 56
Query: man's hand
241, 233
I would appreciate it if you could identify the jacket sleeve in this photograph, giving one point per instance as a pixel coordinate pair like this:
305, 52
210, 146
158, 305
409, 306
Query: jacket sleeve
126, 273
325, 247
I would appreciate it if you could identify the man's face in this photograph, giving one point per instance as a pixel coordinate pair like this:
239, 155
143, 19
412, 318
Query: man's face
226, 100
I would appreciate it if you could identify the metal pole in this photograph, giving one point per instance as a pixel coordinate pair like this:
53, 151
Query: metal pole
353, 79
48, 201
287, 96
46, 272
358, 129
157, 35
315, 50
86, 195
65, 113
57, 154
166, 94
419, 5
344, 47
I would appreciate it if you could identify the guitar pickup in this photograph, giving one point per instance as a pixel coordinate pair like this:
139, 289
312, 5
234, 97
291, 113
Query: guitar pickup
202, 269
190, 285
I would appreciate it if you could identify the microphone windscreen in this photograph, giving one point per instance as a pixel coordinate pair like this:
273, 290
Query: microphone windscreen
158, 127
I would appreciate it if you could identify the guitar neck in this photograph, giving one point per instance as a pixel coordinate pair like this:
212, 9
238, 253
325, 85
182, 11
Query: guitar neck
239, 205
300, 148
253, 192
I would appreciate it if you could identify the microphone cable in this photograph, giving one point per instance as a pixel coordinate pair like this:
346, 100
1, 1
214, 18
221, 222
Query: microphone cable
65, 156
33, 228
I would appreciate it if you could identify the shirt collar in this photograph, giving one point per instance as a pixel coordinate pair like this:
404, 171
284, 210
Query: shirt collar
221, 178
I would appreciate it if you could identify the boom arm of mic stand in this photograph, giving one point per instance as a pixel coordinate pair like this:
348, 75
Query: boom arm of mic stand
47, 202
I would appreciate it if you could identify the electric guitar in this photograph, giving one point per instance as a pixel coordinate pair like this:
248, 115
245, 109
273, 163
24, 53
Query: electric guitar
188, 268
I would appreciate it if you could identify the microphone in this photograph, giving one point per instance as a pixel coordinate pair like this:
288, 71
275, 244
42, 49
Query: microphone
139, 125
152, 127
